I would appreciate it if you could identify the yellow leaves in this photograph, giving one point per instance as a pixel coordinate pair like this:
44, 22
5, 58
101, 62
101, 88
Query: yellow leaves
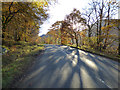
106, 29
108, 36
26, 19
82, 33
40, 3
103, 28
37, 39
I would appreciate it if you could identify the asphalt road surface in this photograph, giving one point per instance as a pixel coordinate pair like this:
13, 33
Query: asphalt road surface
66, 67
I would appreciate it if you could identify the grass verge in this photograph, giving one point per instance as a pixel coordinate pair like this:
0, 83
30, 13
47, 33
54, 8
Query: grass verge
17, 60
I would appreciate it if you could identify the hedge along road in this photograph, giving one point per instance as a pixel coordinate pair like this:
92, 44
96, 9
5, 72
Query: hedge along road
66, 67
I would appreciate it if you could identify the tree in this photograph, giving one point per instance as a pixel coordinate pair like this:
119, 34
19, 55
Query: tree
111, 8
76, 23
117, 24
90, 20
102, 9
22, 20
119, 37
65, 32
55, 31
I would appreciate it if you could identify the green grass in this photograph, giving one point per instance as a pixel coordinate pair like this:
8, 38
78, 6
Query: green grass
17, 60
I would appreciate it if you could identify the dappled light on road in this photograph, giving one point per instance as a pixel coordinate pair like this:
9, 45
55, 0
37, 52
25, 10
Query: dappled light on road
75, 81
75, 61
83, 52
66, 70
87, 78
73, 53
90, 63
71, 68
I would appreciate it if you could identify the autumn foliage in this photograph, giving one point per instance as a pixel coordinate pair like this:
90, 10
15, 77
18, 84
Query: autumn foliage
21, 21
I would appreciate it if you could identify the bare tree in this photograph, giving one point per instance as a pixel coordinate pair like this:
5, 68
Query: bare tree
90, 20
111, 8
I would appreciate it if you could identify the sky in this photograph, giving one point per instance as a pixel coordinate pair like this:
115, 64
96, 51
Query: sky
58, 11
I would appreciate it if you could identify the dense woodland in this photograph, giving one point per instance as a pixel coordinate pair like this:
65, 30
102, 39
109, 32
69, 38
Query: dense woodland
21, 21
92, 29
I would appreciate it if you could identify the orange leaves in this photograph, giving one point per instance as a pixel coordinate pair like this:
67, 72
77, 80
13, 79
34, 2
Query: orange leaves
13, 48
83, 33
38, 39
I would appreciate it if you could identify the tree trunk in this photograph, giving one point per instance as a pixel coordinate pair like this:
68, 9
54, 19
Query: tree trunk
97, 35
119, 40
18, 38
108, 23
89, 34
15, 35
76, 40
89, 31
119, 48
100, 34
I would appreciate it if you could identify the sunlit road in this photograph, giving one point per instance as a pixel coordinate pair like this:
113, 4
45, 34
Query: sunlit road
66, 67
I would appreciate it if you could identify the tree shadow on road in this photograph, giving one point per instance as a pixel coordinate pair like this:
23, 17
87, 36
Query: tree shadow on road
67, 70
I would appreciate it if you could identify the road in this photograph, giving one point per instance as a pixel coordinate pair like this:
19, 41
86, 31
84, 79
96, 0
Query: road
66, 67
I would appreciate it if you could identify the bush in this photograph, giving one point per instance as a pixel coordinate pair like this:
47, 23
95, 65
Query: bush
8, 43
21, 43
